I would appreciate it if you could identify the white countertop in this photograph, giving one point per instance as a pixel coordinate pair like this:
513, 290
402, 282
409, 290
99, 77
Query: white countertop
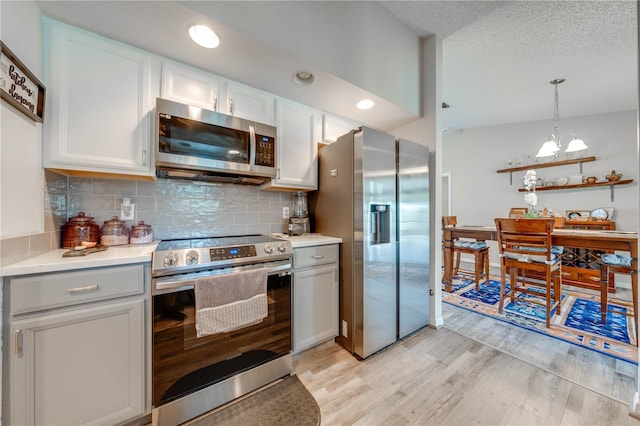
54, 262
308, 240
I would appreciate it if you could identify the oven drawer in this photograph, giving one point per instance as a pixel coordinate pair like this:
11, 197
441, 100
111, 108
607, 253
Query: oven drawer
316, 255
39, 292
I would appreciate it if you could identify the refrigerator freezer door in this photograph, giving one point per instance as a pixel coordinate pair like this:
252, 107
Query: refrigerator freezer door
374, 283
413, 236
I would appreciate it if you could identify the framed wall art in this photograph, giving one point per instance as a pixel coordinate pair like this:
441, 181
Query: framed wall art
20, 87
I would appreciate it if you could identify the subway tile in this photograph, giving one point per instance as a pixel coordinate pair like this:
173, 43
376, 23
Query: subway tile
267, 217
204, 205
114, 186
163, 188
258, 205
277, 228
235, 205
144, 204
85, 202
56, 183
270, 195
157, 218
248, 218
260, 228
172, 205
78, 185
190, 190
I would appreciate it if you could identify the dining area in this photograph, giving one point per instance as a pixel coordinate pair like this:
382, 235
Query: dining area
557, 280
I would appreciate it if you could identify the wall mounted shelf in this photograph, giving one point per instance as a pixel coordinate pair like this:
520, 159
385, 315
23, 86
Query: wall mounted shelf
582, 185
578, 161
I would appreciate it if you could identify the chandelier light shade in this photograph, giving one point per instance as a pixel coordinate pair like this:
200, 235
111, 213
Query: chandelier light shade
553, 144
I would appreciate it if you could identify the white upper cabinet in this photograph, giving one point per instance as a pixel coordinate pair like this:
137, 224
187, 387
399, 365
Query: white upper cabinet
191, 86
100, 97
252, 104
298, 133
333, 127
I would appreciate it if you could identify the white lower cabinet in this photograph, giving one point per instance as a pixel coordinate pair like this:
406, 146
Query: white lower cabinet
81, 364
315, 295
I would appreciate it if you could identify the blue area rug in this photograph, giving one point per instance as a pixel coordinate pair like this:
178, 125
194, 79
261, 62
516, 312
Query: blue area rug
579, 322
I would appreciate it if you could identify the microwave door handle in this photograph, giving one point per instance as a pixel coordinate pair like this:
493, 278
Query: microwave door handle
252, 145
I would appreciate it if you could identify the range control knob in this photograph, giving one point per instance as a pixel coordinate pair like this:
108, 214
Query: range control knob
192, 257
171, 259
282, 247
268, 249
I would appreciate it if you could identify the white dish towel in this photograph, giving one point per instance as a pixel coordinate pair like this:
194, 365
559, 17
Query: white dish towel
229, 302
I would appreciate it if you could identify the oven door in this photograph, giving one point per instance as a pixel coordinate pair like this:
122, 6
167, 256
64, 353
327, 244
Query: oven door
183, 363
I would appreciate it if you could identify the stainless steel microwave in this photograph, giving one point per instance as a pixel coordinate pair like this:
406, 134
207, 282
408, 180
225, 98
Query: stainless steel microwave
198, 144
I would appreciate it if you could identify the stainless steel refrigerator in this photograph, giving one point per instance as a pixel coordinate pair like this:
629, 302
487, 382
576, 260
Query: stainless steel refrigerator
374, 194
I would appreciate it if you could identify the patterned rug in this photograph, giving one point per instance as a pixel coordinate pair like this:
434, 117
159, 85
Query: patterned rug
579, 323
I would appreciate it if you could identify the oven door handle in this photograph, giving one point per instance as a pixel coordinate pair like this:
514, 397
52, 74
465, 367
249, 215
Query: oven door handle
187, 281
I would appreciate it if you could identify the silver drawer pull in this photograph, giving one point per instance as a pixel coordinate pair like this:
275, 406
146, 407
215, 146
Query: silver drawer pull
317, 256
83, 289
17, 344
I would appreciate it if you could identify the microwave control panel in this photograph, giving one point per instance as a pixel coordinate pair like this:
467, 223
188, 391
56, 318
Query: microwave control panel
265, 151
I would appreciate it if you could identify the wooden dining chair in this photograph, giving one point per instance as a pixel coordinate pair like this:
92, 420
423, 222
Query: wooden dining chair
614, 264
525, 246
478, 248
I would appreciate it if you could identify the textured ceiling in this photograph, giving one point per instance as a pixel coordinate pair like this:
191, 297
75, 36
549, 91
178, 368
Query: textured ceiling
499, 57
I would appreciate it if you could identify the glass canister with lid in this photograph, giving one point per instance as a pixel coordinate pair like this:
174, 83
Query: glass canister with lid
79, 229
141, 233
114, 232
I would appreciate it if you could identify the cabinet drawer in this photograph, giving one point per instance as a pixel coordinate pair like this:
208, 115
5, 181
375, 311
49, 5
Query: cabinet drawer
317, 255
35, 293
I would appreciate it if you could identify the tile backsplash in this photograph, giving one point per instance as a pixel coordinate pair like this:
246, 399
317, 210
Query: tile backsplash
173, 208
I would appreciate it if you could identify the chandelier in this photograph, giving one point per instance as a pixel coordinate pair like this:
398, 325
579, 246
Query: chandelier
553, 144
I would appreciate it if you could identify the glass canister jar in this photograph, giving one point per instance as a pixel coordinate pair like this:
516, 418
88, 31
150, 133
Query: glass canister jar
114, 232
141, 233
79, 229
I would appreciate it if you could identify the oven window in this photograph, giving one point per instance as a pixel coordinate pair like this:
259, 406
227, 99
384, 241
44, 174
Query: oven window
183, 363
183, 136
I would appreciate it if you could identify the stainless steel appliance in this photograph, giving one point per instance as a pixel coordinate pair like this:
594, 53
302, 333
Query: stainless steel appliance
194, 375
299, 218
374, 194
198, 144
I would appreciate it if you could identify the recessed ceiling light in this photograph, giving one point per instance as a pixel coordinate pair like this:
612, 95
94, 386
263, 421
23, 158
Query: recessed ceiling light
204, 36
304, 78
365, 104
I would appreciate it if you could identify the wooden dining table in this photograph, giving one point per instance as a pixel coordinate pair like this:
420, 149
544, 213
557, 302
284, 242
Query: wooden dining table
581, 238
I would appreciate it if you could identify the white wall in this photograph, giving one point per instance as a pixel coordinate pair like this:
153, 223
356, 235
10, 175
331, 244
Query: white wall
21, 174
480, 194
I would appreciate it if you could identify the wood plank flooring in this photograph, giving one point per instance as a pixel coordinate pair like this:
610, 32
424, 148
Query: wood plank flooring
493, 374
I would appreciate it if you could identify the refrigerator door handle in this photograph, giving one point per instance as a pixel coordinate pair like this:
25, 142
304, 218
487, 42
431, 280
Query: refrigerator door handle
375, 227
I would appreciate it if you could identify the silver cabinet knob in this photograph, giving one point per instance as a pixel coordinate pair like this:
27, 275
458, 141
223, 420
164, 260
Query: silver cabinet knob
171, 259
192, 257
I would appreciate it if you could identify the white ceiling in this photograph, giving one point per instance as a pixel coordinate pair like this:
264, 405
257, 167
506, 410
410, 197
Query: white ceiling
498, 57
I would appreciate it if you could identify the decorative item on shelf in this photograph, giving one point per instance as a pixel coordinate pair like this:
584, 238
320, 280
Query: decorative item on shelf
553, 144
590, 179
614, 177
530, 198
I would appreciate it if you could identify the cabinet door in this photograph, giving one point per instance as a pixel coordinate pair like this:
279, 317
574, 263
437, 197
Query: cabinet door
333, 127
191, 86
100, 97
315, 306
251, 104
79, 366
298, 130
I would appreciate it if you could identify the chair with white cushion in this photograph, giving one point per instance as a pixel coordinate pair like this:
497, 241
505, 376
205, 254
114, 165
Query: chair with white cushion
616, 264
525, 246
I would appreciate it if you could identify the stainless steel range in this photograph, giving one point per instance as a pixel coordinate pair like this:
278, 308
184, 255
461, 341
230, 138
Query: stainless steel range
192, 375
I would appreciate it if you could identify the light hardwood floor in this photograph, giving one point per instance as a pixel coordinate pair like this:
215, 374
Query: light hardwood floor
475, 370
